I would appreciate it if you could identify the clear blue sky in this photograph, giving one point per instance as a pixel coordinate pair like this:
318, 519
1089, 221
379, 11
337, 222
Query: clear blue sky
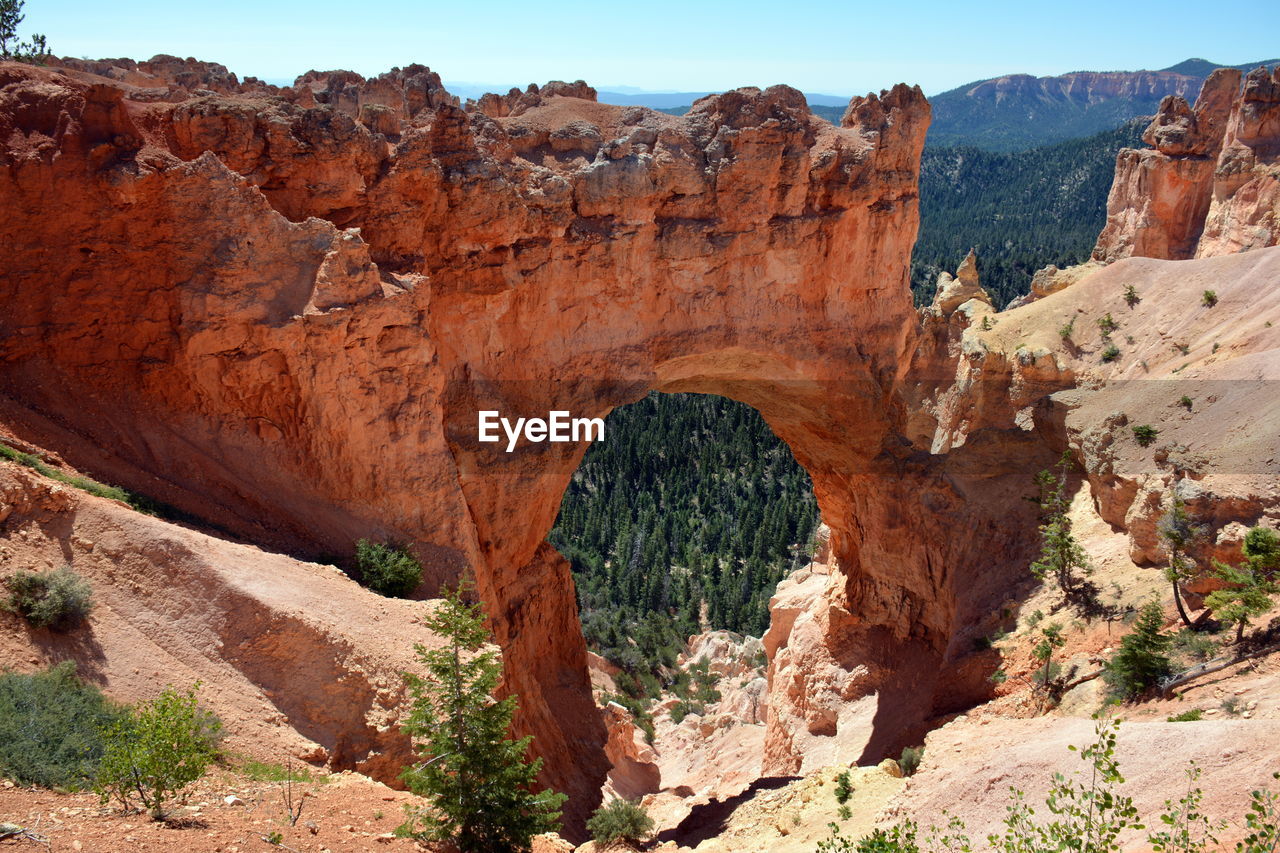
817, 45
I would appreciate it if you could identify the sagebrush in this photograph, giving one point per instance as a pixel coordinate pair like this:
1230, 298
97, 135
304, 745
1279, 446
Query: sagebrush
58, 600
50, 728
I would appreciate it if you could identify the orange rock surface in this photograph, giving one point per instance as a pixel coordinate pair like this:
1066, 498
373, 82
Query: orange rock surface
1209, 185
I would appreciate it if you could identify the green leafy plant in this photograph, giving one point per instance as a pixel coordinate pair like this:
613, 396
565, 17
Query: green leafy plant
1263, 822
157, 751
1107, 325
1194, 715
1142, 659
1209, 298
1087, 815
1131, 297
58, 600
1250, 584
909, 760
844, 787
1185, 828
1185, 402
620, 821
845, 812
1145, 435
1067, 329
265, 771
50, 728
475, 777
12, 49
1110, 353
389, 570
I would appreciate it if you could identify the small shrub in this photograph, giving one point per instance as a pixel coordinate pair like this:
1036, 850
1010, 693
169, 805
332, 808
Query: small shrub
1232, 705
620, 821
57, 600
1131, 297
845, 812
158, 751
1107, 325
1185, 349
1209, 298
1187, 716
1195, 646
265, 771
1066, 330
910, 760
1110, 354
1145, 435
1185, 402
684, 708
844, 787
50, 728
389, 570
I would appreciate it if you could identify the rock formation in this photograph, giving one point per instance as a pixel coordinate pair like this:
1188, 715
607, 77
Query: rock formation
633, 763
281, 311
1208, 185
179, 321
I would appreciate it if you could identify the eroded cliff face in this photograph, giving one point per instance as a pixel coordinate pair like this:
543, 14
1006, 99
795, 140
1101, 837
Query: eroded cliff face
280, 310
1210, 183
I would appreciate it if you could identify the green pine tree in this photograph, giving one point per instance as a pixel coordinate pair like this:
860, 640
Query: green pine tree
1142, 660
1178, 531
1251, 584
10, 47
1061, 556
478, 782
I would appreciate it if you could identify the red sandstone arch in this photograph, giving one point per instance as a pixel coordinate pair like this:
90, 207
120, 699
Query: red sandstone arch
303, 386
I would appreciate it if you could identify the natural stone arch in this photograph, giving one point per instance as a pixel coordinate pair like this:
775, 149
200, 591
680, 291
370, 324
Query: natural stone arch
303, 386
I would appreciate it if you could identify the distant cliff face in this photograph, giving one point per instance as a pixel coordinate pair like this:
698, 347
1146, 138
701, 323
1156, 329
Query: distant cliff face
1021, 111
1210, 183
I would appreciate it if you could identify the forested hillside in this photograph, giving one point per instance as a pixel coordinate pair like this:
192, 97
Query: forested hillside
1021, 211
1019, 111
686, 516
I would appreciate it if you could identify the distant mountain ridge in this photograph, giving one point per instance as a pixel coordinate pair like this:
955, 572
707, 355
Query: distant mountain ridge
1019, 111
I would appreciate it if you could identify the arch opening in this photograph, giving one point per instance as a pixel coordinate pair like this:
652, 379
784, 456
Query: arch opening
678, 527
